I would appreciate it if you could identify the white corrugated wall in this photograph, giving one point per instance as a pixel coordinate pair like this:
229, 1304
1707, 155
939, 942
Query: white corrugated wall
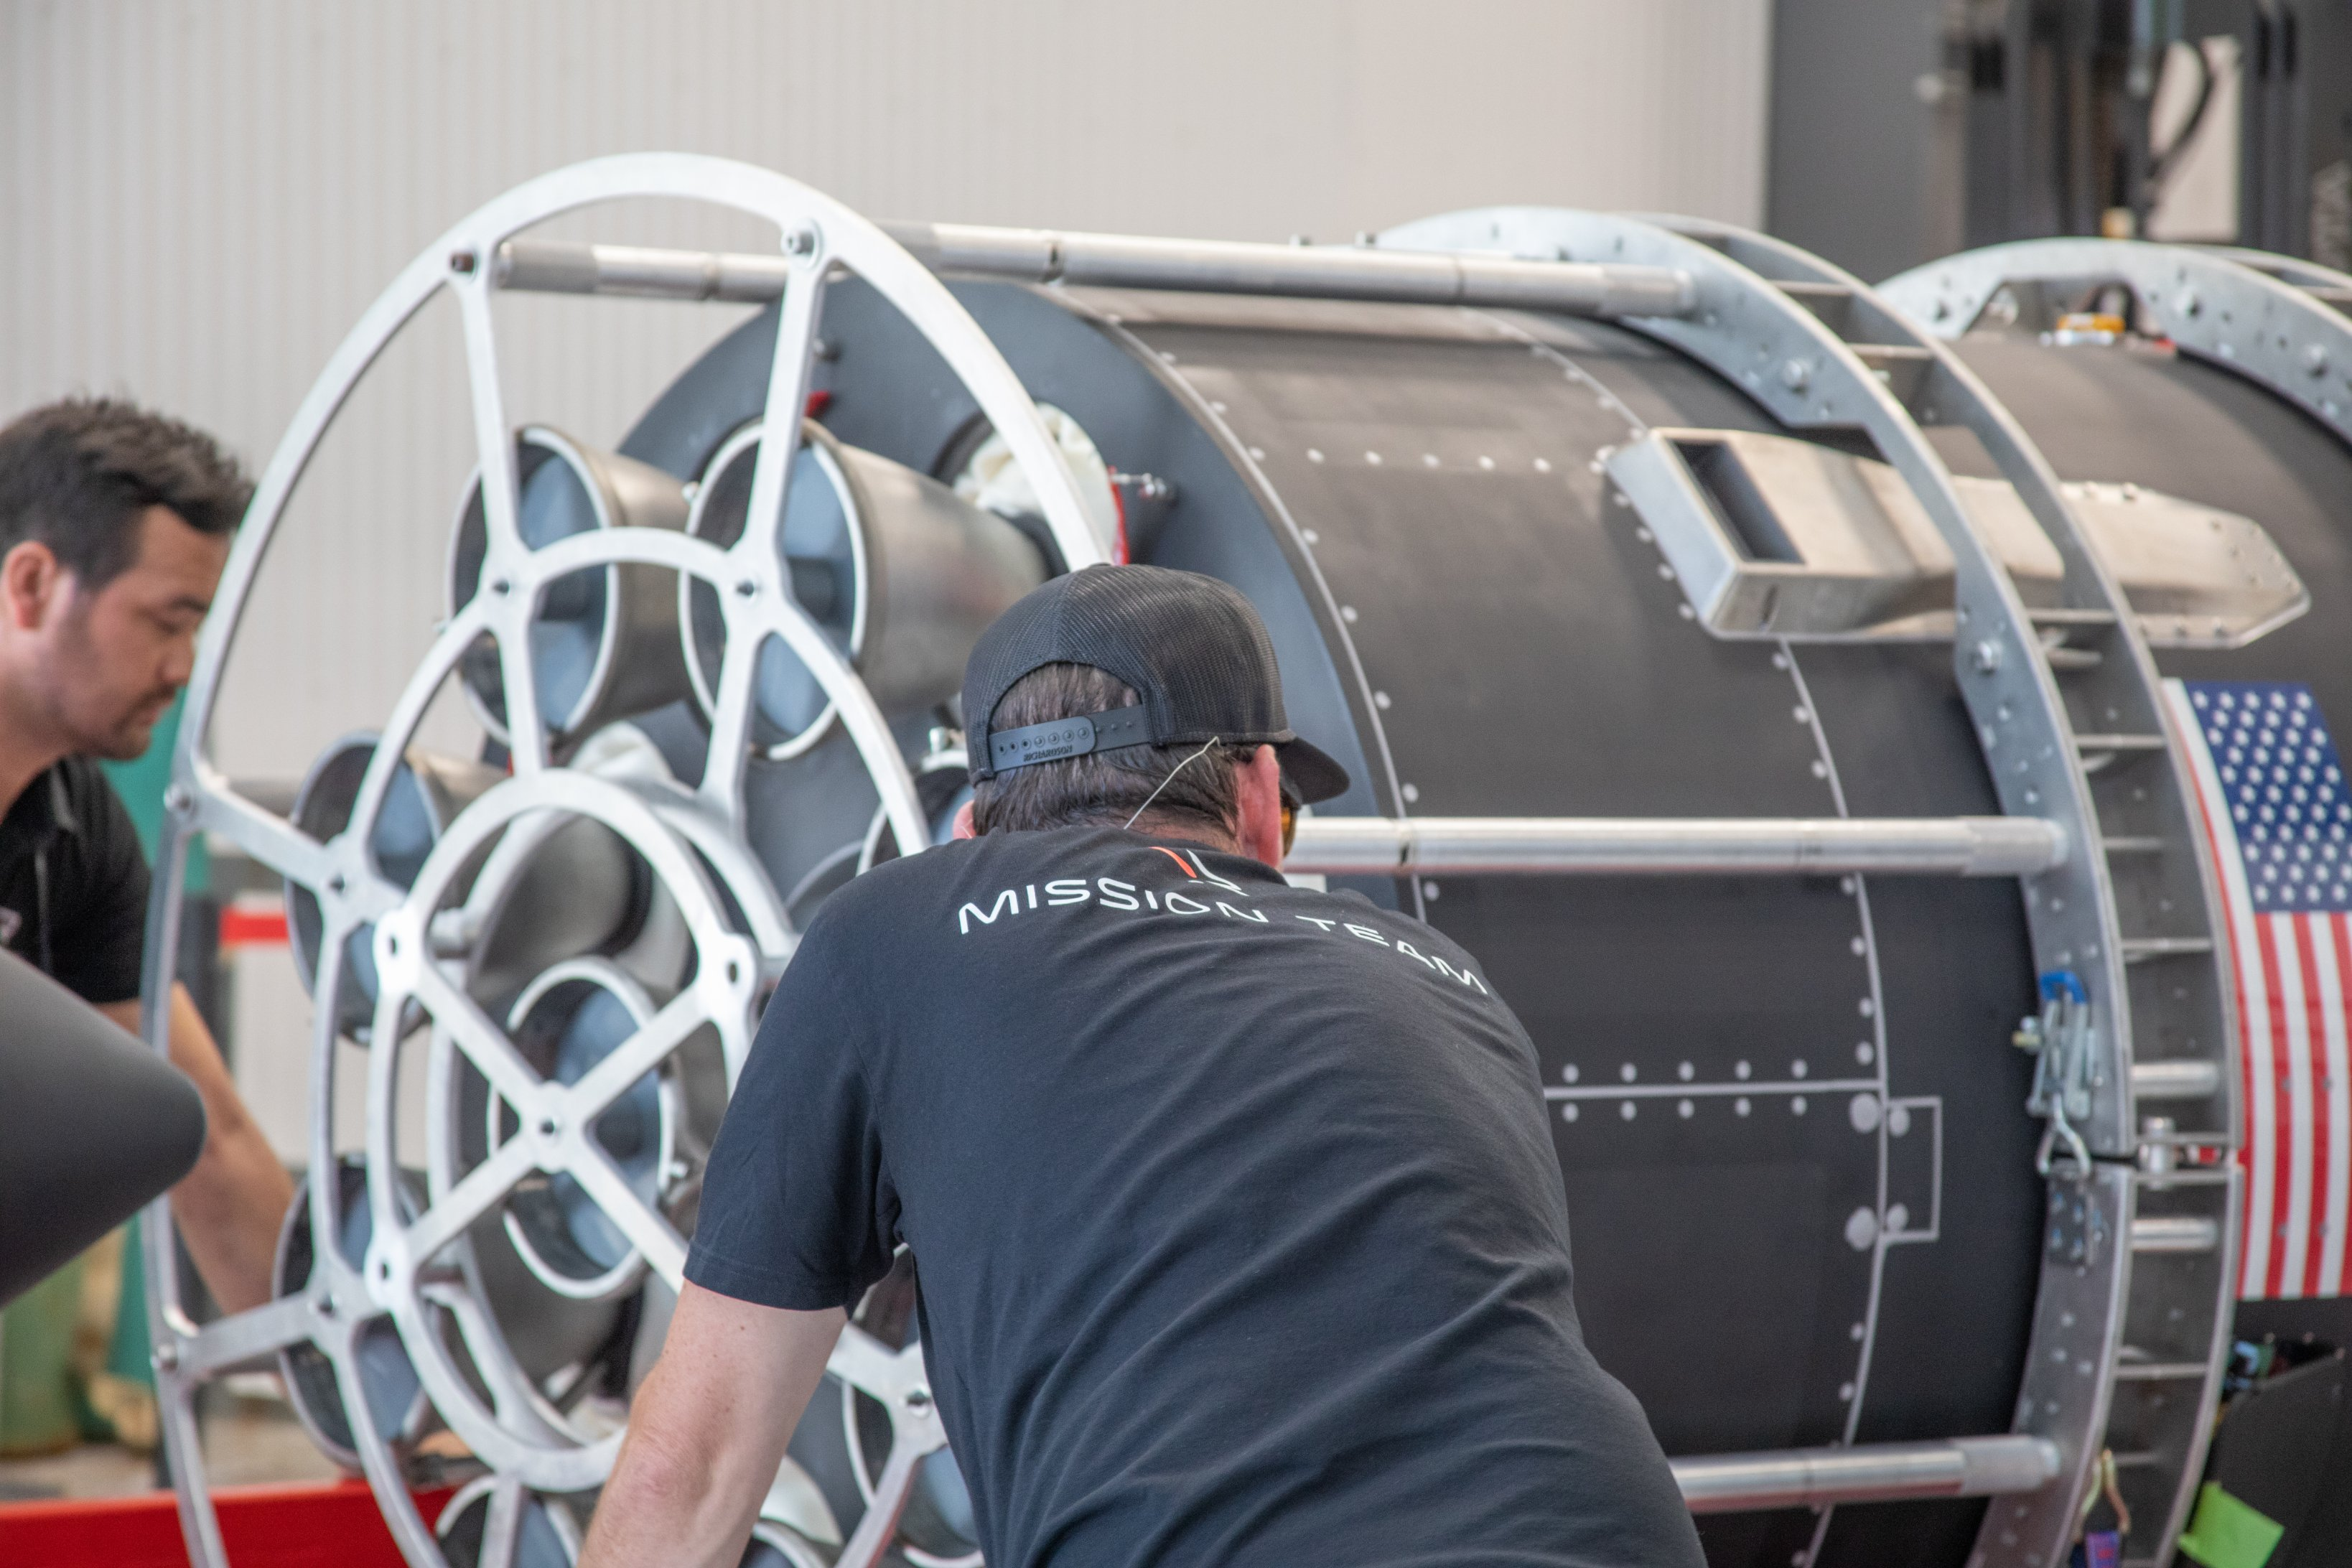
198, 199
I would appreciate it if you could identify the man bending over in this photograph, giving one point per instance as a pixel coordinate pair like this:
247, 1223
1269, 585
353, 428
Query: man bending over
1239, 1231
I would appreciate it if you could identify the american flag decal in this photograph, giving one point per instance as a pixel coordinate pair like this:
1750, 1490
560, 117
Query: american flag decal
2278, 816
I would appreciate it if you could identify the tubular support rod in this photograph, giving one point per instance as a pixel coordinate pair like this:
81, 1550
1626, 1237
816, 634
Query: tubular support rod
2175, 1233
550, 266
1870, 1472
1952, 847
1327, 272
1213, 267
2176, 1079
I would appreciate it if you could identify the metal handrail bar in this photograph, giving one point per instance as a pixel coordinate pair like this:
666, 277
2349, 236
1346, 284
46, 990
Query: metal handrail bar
1957, 846
1131, 262
1868, 1472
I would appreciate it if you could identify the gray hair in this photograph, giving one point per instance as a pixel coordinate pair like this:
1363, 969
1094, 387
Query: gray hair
1103, 788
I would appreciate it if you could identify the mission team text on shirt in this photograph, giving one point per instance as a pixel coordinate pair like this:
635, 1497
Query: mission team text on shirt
1110, 893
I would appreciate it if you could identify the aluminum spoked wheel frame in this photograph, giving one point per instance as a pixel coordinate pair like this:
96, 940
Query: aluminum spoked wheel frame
693, 838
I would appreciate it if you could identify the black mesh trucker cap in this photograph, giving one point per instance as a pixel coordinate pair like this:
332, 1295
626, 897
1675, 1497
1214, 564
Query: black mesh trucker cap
1191, 648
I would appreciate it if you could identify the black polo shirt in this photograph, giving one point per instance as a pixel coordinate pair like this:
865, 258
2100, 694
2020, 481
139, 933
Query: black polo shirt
1239, 1233
73, 882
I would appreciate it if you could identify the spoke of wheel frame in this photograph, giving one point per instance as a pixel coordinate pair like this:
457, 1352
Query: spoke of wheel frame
469, 1199
881, 1522
494, 450
511, 1402
175, 1416
483, 1042
656, 1239
636, 1056
393, 1500
869, 1366
494, 442
265, 836
248, 1336
501, 1524
731, 718
519, 694
780, 441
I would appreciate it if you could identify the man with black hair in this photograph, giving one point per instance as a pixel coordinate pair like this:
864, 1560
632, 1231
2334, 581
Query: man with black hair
115, 525
1239, 1234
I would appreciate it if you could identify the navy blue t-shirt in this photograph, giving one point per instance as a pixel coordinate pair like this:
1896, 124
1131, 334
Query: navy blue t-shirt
1239, 1232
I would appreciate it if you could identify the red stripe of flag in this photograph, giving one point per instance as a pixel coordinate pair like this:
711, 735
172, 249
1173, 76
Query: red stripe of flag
2309, 1161
2332, 1283
2283, 1140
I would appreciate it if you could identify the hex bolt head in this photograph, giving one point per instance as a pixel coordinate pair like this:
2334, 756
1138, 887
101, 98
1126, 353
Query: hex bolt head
748, 588
2314, 360
178, 799
166, 1356
1796, 375
1986, 657
462, 262
918, 1399
801, 241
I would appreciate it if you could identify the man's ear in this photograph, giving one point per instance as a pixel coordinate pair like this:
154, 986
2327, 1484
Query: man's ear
963, 827
1259, 825
31, 578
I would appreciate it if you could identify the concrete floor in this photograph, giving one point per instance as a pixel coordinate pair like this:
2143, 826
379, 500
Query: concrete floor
248, 1439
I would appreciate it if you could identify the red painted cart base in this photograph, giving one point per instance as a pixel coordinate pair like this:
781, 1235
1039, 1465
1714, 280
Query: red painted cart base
334, 1525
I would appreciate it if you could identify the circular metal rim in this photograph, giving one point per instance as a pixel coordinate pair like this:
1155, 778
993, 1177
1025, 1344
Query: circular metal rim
729, 969
610, 978
558, 447
494, 1495
201, 799
816, 439
306, 958
2212, 302
345, 1454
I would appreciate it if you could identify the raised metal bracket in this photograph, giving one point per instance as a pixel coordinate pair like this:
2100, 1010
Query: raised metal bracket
1777, 538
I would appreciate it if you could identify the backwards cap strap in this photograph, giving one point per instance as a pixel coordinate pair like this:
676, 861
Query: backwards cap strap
1073, 737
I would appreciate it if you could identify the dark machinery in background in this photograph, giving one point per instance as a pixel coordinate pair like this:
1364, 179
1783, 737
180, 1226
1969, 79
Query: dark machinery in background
1960, 123
1794, 709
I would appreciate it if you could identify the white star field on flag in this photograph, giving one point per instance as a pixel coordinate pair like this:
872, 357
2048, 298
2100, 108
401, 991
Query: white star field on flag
2284, 785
